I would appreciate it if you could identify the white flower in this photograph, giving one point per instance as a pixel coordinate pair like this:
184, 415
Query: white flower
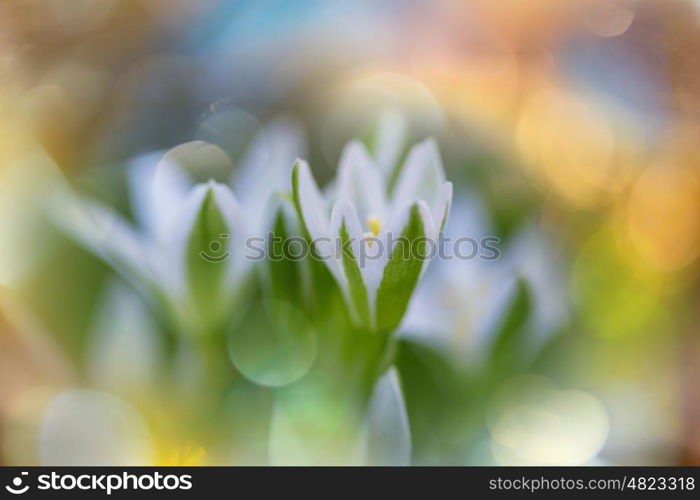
187, 252
463, 303
376, 276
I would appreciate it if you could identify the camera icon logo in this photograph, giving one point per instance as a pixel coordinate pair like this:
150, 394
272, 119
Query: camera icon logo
16, 487
215, 252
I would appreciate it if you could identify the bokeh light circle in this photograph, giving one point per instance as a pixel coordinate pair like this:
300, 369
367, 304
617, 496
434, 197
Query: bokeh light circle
275, 346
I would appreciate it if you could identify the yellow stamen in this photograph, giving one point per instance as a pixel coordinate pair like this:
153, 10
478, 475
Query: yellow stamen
375, 225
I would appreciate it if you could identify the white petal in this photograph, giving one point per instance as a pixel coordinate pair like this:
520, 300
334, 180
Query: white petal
532, 257
421, 176
344, 211
468, 218
431, 230
428, 317
173, 180
313, 210
458, 307
123, 351
173, 255
360, 182
488, 304
388, 431
389, 140
441, 208
264, 170
140, 173
460, 302
104, 232
171, 258
237, 222
90, 428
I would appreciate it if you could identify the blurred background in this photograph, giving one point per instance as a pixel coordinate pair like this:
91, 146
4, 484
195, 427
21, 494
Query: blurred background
569, 128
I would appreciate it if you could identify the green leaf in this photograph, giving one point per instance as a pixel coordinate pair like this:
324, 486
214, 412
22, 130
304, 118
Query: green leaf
511, 337
286, 282
245, 413
296, 199
401, 273
295, 194
324, 290
315, 206
207, 253
433, 392
274, 345
358, 291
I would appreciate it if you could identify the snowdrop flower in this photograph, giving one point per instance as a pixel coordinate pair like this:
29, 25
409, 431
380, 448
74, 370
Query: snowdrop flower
461, 301
188, 249
376, 243
534, 257
461, 305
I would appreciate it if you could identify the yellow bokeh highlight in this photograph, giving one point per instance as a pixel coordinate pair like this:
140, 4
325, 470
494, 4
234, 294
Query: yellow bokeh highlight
573, 147
663, 217
616, 293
